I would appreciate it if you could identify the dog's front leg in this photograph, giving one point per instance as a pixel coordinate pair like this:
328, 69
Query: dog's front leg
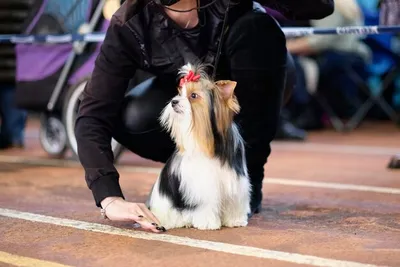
206, 218
237, 208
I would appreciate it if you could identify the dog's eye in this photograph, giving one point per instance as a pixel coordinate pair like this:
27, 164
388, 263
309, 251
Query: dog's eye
193, 95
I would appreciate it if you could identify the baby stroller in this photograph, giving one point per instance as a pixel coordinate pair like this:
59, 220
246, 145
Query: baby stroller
51, 77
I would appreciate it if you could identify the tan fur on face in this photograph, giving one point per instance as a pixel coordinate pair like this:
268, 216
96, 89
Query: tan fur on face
201, 124
225, 106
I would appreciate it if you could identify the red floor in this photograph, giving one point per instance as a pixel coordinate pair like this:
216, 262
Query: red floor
331, 197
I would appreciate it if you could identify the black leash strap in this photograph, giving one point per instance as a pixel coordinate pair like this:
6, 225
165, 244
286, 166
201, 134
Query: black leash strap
224, 27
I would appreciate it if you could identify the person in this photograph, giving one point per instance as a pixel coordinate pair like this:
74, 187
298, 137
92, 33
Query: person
243, 44
324, 61
13, 119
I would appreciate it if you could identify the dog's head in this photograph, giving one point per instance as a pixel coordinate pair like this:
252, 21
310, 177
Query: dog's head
202, 111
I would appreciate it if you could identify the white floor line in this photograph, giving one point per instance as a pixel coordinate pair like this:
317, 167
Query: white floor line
184, 241
328, 185
39, 161
335, 148
20, 261
295, 182
156, 170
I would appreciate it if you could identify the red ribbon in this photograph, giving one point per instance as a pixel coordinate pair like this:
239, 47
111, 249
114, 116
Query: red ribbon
190, 77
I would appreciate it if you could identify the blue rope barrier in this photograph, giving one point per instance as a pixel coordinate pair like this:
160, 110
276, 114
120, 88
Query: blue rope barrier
356, 30
288, 31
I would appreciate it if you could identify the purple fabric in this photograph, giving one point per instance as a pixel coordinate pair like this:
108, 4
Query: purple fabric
301, 9
87, 68
48, 59
276, 14
38, 61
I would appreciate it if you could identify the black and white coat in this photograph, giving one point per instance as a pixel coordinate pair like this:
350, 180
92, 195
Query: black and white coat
194, 190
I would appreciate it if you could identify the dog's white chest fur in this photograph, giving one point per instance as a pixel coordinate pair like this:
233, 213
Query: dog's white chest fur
212, 195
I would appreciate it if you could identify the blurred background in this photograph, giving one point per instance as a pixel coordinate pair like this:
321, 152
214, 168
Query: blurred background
345, 83
331, 188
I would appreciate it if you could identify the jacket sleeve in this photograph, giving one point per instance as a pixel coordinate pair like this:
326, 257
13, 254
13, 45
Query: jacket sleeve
99, 108
301, 9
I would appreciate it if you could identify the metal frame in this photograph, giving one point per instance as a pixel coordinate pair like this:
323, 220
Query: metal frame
78, 49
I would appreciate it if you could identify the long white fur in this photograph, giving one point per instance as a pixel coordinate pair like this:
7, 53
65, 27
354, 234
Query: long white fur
222, 198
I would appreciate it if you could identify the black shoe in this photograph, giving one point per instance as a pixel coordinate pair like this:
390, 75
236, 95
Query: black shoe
255, 203
6, 144
395, 162
288, 131
254, 210
308, 121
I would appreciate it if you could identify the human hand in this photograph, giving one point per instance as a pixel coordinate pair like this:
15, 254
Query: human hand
117, 209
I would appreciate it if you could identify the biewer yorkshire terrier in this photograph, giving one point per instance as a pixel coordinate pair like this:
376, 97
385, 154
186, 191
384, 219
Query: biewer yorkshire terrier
205, 183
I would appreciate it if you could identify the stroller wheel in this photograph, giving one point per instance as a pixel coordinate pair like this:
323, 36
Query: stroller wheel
70, 111
53, 136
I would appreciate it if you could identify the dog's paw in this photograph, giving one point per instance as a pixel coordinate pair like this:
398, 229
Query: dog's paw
207, 226
204, 224
241, 222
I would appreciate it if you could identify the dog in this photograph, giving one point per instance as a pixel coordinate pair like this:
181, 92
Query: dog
205, 183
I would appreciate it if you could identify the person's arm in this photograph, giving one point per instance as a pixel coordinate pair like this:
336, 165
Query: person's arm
301, 9
300, 46
115, 65
99, 108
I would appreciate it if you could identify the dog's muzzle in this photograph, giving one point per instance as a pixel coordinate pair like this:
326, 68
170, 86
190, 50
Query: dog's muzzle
175, 106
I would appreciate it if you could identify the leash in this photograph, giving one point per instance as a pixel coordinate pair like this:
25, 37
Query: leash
224, 28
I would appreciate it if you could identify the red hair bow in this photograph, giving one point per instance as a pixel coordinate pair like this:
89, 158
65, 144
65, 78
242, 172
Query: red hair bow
190, 77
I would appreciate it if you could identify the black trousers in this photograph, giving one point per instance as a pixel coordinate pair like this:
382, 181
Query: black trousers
255, 56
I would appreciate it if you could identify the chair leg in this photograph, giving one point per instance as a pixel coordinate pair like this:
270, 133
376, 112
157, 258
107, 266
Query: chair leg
383, 104
334, 119
372, 99
360, 114
356, 119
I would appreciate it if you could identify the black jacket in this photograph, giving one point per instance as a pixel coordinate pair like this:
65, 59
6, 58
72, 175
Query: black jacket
141, 36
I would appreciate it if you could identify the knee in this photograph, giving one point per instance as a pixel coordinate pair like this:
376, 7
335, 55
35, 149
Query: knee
136, 116
260, 36
143, 105
139, 110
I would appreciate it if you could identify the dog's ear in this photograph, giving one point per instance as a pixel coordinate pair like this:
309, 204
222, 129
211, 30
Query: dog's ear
227, 88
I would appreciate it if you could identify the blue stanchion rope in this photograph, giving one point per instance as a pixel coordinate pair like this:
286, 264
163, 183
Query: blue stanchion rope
288, 31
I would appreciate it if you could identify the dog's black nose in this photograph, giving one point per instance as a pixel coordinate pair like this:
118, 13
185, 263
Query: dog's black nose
174, 102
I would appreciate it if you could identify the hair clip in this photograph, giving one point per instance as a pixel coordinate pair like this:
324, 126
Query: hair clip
190, 77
